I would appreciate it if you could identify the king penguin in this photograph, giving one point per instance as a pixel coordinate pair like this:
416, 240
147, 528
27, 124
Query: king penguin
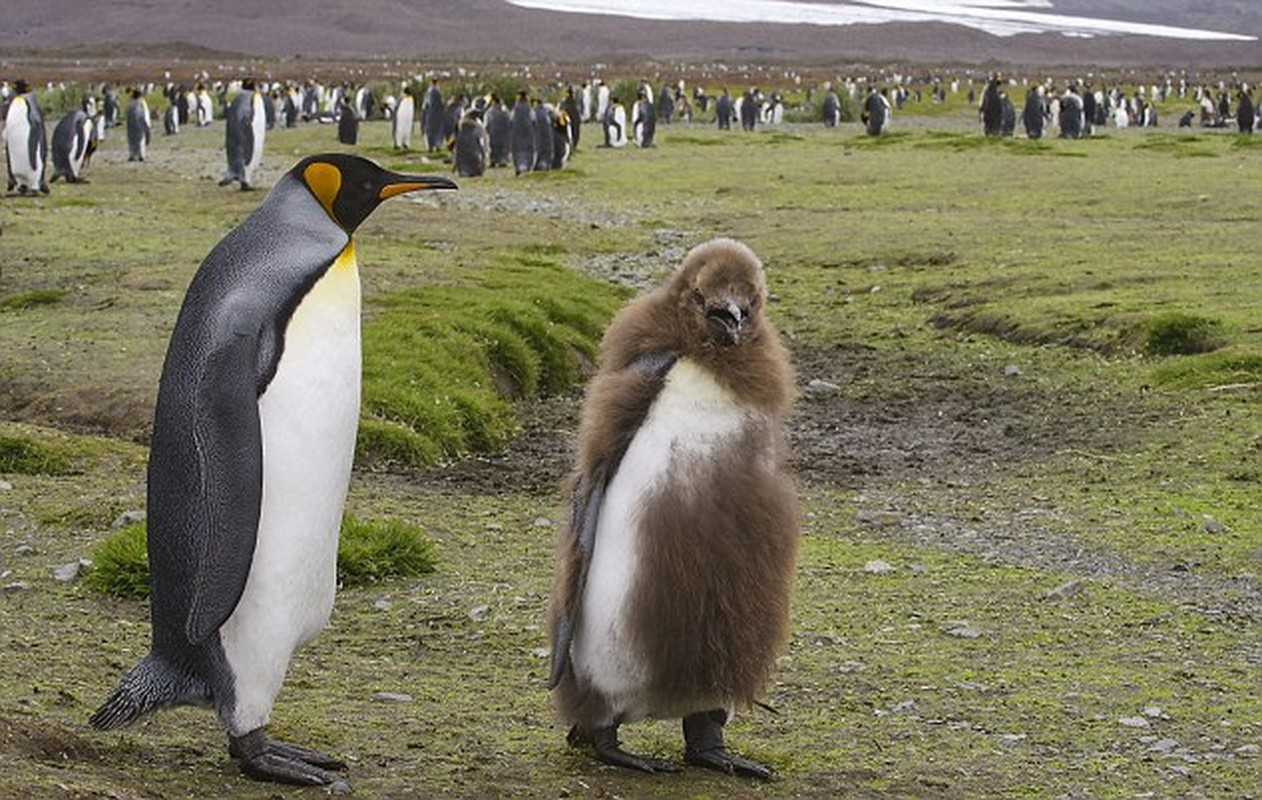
253, 437
138, 128
74, 142
675, 573
25, 144
244, 130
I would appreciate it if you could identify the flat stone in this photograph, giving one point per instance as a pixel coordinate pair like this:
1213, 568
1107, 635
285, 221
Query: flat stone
19, 586
23, 550
67, 572
1133, 722
1065, 590
129, 518
392, 697
878, 567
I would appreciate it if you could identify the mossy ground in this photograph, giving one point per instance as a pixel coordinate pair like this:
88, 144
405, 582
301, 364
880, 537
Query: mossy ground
982, 306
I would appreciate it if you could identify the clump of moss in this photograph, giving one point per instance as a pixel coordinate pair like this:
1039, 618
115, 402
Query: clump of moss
374, 550
443, 365
368, 551
24, 456
1177, 333
31, 299
120, 564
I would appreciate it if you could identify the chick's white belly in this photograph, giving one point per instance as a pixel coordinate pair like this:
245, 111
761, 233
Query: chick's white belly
691, 418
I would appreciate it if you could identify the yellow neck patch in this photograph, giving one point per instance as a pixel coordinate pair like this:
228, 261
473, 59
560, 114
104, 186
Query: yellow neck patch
324, 180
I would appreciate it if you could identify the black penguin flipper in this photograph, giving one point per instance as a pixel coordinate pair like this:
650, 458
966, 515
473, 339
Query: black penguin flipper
224, 514
585, 518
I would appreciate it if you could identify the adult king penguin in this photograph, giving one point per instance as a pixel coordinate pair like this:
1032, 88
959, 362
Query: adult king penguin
74, 142
25, 143
674, 576
253, 435
245, 127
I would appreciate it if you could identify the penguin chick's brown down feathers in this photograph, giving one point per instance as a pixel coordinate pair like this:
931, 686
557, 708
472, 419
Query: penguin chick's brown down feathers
675, 574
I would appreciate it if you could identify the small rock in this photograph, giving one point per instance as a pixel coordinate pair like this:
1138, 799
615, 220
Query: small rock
478, 613
903, 707
1165, 747
1012, 371
1065, 590
339, 787
1133, 722
67, 572
877, 567
1012, 739
5, 485
1213, 526
543, 522
818, 386
1183, 772
392, 697
1248, 750
1153, 712
20, 586
962, 630
129, 518
382, 605
23, 550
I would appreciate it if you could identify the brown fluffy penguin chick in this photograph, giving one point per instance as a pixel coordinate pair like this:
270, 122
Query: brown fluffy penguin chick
675, 574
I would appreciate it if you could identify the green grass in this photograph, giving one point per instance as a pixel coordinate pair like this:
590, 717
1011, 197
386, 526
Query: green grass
26, 456
31, 299
368, 552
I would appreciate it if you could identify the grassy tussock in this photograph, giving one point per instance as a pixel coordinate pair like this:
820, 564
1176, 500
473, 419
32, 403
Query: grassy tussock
444, 364
22, 455
368, 551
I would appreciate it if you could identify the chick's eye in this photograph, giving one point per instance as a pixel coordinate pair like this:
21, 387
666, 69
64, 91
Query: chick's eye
698, 298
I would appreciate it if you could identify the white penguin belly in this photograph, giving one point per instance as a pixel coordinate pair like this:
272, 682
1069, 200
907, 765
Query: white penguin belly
308, 414
17, 135
258, 123
692, 415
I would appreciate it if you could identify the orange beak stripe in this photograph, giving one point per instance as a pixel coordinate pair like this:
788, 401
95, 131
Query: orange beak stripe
402, 188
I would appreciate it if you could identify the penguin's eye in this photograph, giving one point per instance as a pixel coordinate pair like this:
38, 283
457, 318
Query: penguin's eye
698, 298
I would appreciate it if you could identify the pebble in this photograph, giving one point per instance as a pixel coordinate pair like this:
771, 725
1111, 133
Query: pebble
541, 652
20, 586
129, 518
1012, 371
818, 386
543, 522
1165, 747
1133, 722
23, 550
67, 572
878, 567
1065, 590
339, 787
392, 697
382, 605
962, 630
1248, 750
1153, 712
1213, 526
5, 485
478, 613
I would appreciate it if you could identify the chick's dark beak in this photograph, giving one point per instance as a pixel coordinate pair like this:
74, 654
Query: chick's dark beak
728, 319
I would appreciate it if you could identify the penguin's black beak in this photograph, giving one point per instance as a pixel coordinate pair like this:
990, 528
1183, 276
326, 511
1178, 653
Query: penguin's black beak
728, 319
397, 184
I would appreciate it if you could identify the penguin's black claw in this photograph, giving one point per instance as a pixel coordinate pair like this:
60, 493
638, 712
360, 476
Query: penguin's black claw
606, 747
225, 181
266, 759
724, 761
703, 747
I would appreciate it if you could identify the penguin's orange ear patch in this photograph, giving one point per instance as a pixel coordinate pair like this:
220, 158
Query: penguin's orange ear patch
324, 181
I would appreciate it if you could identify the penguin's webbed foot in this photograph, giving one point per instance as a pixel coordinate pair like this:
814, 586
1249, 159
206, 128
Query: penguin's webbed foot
606, 747
225, 181
704, 747
266, 759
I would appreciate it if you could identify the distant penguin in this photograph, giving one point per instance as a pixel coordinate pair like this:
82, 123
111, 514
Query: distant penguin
109, 106
522, 135
543, 136
570, 106
1008, 124
171, 120
347, 122
25, 142
401, 122
665, 105
674, 576
244, 132
205, 108
269, 109
138, 127
876, 112
615, 124
499, 130
724, 111
561, 146
433, 114
831, 109
749, 109
253, 436
1032, 114
74, 142
1070, 118
473, 147
991, 109
602, 101
643, 121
